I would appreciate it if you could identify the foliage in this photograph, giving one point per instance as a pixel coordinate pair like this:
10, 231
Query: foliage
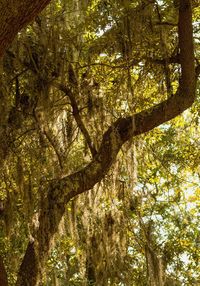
116, 58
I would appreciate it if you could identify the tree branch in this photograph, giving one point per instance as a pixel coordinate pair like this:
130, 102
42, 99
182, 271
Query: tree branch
125, 128
14, 15
77, 116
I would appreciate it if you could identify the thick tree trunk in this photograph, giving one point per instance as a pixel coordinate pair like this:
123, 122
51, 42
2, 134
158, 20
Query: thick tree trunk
29, 271
14, 15
33, 264
61, 191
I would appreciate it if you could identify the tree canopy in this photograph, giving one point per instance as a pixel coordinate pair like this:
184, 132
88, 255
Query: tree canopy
99, 164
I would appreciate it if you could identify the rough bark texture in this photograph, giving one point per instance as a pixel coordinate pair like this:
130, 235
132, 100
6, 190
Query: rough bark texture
59, 192
14, 15
30, 266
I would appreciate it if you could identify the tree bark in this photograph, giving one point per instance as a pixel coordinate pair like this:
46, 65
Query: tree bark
14, 15
60, 191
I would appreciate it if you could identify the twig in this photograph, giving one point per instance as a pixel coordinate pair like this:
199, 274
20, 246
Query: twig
77, 116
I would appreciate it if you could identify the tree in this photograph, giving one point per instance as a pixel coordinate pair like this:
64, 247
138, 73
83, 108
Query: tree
15, 16
54, 195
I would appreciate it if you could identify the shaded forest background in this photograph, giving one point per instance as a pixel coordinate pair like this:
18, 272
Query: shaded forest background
66, 78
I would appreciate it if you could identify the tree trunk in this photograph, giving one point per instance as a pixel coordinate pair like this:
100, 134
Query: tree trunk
34, 261
29, 271
14, 15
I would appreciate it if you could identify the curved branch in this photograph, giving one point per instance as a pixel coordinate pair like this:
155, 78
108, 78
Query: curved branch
125, 128
14, 15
